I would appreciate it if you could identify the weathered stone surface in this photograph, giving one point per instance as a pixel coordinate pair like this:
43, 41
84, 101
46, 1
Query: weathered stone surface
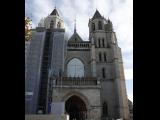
91, 97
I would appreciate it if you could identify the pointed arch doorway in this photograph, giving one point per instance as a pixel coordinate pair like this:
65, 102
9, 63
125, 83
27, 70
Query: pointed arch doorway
76, 108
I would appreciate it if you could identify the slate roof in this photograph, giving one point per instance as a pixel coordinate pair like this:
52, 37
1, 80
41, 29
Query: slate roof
75, 38
54, 12
96, 15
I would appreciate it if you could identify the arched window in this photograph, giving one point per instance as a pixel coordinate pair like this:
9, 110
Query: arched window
100, 57
99, 42
105, 59
103, 42
75, 68
105, 109
93, 26
58, 25
103, 73
99, 25
51, 24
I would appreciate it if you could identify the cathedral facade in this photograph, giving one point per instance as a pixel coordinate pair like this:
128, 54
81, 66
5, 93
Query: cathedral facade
81, 78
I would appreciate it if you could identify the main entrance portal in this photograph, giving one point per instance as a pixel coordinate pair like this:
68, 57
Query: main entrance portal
76, 108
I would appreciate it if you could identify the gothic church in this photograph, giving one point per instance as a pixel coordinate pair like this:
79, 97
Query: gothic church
81, 78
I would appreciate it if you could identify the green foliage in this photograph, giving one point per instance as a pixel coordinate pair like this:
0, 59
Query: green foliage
27, 28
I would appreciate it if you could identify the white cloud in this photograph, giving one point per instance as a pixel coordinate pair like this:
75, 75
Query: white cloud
38, 9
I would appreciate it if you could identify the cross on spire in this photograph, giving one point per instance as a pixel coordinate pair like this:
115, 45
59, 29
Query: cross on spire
55, 4
75, 26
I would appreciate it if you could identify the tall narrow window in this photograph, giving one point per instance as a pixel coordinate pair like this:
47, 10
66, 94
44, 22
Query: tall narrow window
105, 109
100, 25
58, 25
103, 42
100, 57
99, 42
105, 59
103, 72
51, 24
93, 26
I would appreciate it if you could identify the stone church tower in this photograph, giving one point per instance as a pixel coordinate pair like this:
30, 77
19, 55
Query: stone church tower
107, 65
81, 78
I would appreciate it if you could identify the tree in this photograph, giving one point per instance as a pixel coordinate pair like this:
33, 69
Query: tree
27, 28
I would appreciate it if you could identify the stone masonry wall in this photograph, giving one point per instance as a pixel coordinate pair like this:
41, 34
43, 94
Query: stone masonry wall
90, 95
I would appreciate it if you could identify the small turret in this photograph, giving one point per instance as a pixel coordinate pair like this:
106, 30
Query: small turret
96, 24
53, 21
109, 25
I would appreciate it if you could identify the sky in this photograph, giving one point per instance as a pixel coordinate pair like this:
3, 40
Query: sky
120, 12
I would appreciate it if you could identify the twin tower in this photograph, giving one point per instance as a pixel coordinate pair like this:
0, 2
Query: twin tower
81, 78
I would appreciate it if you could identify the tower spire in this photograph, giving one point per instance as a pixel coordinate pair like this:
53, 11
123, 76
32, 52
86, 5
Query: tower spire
75, 26
55, 4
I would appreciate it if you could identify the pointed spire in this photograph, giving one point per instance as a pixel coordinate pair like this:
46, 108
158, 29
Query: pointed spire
75, 26
110, 26
55, 5
97, 15
55, 12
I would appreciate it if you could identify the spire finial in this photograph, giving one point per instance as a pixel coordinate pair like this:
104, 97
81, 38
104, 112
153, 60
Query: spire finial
55, 4
75, 26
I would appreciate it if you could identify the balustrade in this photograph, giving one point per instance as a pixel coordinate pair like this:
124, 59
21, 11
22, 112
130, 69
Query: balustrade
76, 81
79, 45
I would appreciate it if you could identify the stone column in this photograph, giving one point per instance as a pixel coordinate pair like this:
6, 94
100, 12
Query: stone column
93, 58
